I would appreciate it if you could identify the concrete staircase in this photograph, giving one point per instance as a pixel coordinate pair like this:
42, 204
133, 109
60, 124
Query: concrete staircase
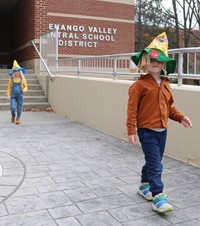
34, 98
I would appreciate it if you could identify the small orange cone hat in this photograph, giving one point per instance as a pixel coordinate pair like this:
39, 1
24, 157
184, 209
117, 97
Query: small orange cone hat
16, 67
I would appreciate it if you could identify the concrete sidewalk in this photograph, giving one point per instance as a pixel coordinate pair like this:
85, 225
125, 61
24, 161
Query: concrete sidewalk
57, 172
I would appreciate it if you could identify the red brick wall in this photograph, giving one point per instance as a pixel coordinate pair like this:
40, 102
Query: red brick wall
30, 19
41, 17
92, 8
23, 24
22, 30
123, 39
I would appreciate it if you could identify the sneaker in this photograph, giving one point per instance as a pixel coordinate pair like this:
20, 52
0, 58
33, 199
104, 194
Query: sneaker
160, 204
145, 192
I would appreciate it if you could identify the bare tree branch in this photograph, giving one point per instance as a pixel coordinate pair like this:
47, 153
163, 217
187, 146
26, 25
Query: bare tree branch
180, 22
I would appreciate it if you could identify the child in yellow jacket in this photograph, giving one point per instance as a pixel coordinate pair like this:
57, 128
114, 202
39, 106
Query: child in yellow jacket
17, 86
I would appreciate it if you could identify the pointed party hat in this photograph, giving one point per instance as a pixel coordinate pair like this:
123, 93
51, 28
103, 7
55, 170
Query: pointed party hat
16, 67
158, 50
160, 43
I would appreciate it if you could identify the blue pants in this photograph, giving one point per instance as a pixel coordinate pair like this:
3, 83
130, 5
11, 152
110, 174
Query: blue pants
16, 102
153, 145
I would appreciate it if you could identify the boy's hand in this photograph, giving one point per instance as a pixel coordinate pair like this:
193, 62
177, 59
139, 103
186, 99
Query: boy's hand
8, 97
186, 122
132, 139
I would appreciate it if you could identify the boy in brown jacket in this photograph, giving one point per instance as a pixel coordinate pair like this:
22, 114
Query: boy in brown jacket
150, 105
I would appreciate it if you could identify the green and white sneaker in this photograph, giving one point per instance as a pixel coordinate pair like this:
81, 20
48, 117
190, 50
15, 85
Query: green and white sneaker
144, 191
160, 204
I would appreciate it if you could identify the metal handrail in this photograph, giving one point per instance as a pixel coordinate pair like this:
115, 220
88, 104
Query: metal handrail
180, 52
41, 58
185, 50
98, 65
121, 64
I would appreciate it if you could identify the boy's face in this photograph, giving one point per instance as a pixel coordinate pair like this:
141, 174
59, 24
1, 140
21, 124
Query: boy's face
154, 66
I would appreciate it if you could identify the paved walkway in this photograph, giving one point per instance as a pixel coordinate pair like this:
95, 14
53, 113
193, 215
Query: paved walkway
57, 172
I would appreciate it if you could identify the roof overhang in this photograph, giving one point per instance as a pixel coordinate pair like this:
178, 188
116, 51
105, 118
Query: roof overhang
7, 5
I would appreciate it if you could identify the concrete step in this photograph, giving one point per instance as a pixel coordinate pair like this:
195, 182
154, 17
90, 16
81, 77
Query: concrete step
26, 106
7, 71
29, 81
30, 99
28, 93
27, 76
30, 86
33, 99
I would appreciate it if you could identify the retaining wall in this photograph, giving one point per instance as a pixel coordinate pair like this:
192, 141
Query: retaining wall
102, 104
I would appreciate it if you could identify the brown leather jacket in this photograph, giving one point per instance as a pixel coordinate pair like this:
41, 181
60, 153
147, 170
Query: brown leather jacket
150, 105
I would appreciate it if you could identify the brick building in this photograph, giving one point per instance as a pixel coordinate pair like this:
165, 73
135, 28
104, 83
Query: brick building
86, 27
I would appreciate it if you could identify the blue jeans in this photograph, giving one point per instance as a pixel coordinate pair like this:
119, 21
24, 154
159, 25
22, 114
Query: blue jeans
16, 102
153, 145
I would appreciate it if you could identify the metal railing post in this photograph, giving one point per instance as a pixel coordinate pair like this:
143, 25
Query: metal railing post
115, 69
79, 67
56, 50
39, 50
195, 63
180, 68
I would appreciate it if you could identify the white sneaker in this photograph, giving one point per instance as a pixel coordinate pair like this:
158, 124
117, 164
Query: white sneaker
160, 204
144, 191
